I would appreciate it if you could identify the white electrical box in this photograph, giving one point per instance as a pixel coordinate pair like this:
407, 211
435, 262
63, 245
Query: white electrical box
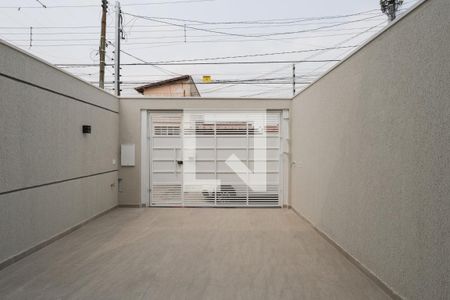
127, 155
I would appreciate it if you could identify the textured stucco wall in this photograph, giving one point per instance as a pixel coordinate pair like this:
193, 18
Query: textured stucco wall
52, 177
130, 129
371, 146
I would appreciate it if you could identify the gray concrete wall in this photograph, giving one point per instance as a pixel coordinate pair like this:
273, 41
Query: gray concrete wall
130, 128
52, 177
371, 146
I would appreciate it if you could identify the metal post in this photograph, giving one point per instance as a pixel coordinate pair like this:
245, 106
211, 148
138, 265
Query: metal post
293, 79
101, 50
117, 50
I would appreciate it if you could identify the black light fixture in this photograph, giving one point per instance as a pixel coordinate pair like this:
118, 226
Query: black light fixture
86, 129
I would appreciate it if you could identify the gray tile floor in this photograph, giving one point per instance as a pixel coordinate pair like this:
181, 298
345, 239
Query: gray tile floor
184, 253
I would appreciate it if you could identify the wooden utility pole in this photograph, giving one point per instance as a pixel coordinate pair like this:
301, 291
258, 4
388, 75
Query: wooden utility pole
102, 50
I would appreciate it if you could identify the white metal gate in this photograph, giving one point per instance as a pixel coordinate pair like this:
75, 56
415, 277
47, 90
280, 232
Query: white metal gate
219, 138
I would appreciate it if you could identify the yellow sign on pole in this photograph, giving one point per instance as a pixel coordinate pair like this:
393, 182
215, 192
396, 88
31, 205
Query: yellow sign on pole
206, 78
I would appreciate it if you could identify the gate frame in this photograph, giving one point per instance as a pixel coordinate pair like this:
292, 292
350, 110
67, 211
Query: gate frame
284, 163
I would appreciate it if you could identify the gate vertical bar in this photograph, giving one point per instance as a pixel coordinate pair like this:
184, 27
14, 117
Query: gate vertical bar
215, 161
182, 155
248, 164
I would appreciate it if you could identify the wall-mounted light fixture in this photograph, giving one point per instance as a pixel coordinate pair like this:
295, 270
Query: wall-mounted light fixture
86, 129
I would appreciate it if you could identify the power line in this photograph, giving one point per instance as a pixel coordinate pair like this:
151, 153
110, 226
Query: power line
259, 23
249, 26
161, 44
209, 63
265, 21
309, 57
171, 30
255, 55
143, 61
95, 5
249, 35
259, 76
279, 21
167, 2
42, 4
154, 31
341, 43
213, 83
235, 83
201, 74
149, 39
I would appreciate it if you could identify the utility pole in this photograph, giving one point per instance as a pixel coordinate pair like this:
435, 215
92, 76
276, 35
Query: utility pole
293, 79
101, 50
118, 36
390, 7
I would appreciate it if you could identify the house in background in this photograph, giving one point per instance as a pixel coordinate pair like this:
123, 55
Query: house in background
182, 86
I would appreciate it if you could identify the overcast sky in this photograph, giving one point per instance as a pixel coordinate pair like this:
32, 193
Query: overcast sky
64, 35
